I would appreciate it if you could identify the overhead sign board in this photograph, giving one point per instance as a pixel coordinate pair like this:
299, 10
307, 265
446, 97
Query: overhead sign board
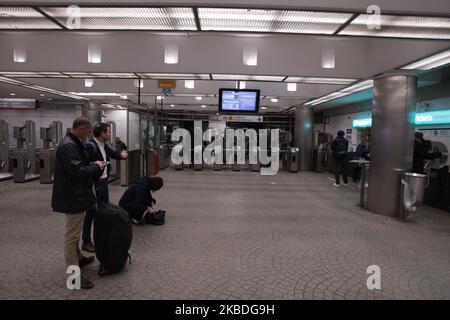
421, 118
165, 83
240, 118
11, 103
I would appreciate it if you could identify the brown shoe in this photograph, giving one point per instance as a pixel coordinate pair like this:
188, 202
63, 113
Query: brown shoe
88, 246
84, 261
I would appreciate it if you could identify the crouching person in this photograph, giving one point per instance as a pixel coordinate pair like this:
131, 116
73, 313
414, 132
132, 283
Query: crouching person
140, 204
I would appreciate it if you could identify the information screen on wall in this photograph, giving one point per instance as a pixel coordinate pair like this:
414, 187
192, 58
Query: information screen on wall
239, 100
17, 104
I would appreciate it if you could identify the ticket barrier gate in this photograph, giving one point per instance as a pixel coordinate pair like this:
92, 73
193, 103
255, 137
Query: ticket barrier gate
5, 163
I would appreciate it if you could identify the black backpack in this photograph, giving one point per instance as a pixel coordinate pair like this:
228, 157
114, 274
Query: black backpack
341, 150
113, 236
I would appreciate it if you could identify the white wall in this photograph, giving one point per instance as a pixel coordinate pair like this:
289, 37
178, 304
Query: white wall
119, 117
344, 122
42, 118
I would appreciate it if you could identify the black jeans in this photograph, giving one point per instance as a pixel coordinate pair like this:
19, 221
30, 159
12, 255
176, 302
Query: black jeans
340, 166
102, 194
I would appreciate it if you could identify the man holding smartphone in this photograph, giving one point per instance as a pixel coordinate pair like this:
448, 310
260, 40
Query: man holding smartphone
99, 150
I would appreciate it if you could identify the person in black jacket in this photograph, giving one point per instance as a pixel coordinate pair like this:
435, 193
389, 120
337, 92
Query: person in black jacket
72, 190
421, 153
138, 200
339, 146
99, 150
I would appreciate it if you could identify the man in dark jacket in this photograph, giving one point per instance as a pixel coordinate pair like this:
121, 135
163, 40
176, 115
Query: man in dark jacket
72, 190
99, 150
138, 200
339, 146
421, 153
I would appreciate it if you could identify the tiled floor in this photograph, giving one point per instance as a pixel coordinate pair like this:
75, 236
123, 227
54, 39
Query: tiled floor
235, 235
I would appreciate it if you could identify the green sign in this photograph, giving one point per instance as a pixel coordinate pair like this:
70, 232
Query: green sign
420, 119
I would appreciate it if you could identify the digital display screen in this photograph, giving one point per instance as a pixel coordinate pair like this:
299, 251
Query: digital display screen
243, 100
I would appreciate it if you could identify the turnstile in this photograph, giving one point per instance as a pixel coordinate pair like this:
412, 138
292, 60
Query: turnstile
25, 160
51, 137
5, 163
293, 160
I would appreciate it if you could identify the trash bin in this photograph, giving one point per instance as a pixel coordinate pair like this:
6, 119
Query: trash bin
293, 160
413, 190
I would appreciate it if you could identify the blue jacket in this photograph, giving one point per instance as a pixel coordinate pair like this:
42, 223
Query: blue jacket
137, 198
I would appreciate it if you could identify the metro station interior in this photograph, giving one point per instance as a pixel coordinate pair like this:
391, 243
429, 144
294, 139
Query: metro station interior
379, 71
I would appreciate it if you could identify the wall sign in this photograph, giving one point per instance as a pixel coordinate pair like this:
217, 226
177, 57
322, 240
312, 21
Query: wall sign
421, 118
9, 103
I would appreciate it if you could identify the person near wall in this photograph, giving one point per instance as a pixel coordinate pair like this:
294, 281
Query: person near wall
339, 148
120, 145
138, 200
99, 150
361, 153
72, 195
422, 153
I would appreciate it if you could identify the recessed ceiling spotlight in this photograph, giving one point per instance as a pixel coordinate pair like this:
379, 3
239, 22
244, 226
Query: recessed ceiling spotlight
124, 97
12, 94
203, 106
274, 100
198, 98
172, 105
264, 108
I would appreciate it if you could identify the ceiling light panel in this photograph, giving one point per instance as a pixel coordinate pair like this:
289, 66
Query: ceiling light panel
112, 75
431, 62
175, 76
243, 77
318, 80
109, 18
278, 21
20, 74
24, 18
401, 27
342, 93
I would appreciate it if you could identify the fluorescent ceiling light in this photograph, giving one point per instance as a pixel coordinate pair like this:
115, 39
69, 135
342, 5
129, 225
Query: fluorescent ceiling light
203, 106
171, 54
20, 54
328, 59
291, 87
320, 80
26, 74
198, 98
115, 75
12, 81
124, 97
172, 105
278, 21
274, 100
237, 77
12, 94
242, 84
138, 84
128, 18
189, 84
431, 62
401, 27
94, 53
96, 94
16, 18
250, 56
264, 108
342, 93
88, 83
175, 76
159, 97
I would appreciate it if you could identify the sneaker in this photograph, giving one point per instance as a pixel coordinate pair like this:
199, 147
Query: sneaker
84, 261
336, 185
86, 283
88, 246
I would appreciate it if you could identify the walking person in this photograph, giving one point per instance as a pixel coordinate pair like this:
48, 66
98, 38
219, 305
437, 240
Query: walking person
72, 190
339, 148
99, 150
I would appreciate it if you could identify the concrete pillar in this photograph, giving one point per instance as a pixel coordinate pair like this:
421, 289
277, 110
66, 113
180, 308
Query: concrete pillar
394, 99
304, 136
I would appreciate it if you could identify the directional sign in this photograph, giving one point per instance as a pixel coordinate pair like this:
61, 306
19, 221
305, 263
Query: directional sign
241, 118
